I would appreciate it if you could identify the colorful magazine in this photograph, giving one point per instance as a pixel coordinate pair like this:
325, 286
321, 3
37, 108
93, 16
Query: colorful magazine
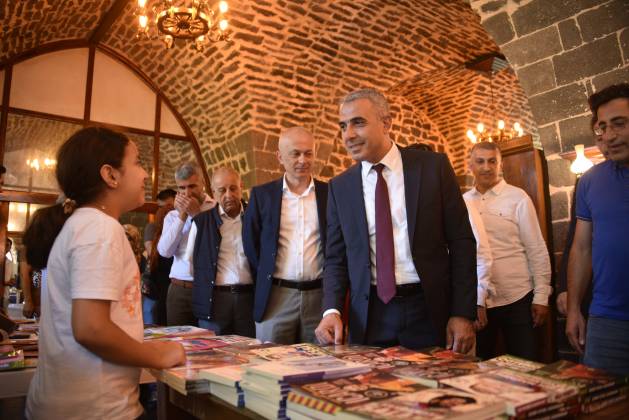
175, 331
521, 391
586, 378
306, 369
431, 374
514, 363
303, 350
359, 389
433, 404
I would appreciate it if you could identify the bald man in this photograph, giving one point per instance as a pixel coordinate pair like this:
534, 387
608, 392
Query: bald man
222, 290
284, 239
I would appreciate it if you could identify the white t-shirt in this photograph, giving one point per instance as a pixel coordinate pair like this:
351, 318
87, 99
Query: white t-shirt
90, 259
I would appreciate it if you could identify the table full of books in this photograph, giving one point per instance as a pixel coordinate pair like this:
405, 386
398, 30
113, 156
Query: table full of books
306, 381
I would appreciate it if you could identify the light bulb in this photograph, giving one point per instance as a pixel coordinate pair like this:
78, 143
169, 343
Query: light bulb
480, 127
501, 125
223, 7
141, 4
144, 20
581, 163
470, 135
517, 126
223, 25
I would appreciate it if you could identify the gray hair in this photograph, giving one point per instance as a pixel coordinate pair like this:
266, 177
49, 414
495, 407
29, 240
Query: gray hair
224, 170
186, 170
375, 97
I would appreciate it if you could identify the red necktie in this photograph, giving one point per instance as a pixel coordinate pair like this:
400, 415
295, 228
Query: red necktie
385, 251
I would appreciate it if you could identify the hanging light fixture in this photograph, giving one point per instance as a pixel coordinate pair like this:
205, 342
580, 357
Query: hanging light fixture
186, 20
581, 164
498, 131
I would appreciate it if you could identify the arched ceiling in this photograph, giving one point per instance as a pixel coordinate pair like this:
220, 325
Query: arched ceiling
289, 62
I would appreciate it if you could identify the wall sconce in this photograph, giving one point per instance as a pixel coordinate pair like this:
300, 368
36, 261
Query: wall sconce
581, 163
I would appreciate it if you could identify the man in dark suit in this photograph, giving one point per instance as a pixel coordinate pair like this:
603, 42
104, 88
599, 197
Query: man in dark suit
399, 240
222, 291
284, 239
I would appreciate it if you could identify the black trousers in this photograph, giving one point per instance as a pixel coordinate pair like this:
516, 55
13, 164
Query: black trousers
516, 324
403, 321
232, 313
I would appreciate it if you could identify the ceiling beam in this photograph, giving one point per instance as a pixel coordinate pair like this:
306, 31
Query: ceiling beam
108, 19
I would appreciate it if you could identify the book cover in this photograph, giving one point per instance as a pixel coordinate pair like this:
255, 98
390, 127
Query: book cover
444, 354
175, 331
343, 349
433, 404
303, 350
521, 391
431, 374
588, 379
359, 389
310, 368
514, 363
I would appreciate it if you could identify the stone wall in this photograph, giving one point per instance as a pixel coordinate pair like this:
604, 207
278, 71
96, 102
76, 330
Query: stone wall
562, 51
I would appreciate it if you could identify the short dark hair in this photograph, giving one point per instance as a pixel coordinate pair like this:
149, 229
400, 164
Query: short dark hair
420, 146
486, 145
608, 94
3, 170
166, 194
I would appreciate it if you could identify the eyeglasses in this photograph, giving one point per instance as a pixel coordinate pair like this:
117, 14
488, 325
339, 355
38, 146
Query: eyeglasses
616, 126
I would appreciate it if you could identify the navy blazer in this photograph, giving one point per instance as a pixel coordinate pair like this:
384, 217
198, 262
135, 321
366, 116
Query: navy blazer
207, 245
261, 231
440, 235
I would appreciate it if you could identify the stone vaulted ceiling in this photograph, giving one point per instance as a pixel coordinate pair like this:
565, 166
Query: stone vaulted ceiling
289, 63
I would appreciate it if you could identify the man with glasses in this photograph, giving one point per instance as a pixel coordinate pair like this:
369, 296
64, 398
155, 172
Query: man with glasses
603, 201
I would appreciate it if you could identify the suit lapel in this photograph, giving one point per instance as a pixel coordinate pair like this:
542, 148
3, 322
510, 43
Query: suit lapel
412, 182
276, 203
356, 202
321, 200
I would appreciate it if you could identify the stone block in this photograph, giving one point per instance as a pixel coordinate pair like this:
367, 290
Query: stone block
539, 14
624, 44
569, 33
559, 206
610, 78
576, 131
534, 47
604, 20
267, 161
588, 60
559, 104
550, 139
537, 78
493, 6
559, 174
560, 233
500, 28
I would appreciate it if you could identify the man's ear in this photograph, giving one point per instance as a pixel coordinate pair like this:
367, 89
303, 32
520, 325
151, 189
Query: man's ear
387, 122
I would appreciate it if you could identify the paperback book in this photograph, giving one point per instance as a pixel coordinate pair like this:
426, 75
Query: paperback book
174, 332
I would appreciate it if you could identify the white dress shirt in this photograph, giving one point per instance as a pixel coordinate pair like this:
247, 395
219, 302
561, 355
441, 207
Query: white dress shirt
299, 251
393, 174
521, 262
174, 241
484, 259
232, 266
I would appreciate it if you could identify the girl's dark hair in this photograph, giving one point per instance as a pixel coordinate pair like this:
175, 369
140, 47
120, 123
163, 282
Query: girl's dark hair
80, 158
78, 173
41, 233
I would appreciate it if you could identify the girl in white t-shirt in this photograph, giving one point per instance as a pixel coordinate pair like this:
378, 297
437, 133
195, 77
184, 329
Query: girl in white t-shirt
90, 345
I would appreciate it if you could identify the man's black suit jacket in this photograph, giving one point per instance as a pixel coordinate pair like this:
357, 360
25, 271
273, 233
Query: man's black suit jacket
440, 235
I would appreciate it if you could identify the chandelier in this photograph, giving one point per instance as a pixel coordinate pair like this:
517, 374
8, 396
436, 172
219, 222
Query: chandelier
186, 20
499, 131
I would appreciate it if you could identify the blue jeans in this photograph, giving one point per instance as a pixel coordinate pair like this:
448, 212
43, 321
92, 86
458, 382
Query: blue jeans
148, 306
607, 345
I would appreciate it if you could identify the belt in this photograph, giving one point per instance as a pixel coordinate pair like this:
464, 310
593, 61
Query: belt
299, 285
404, 290
181, 283
235, 288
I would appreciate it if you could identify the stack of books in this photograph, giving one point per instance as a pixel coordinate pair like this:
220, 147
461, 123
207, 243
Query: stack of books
524, 394
597, 389
266, 384
163, 333
10, 358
